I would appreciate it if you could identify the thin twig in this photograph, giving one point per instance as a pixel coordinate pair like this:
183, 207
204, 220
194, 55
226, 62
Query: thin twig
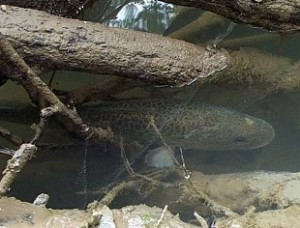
200, 220
187, 172
124, 158
45, 113
133, 173
14, 139
153, 125
7, 151
51, 78
161, 216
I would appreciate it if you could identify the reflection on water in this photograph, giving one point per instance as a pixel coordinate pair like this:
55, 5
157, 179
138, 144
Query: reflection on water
65, 172
142, 15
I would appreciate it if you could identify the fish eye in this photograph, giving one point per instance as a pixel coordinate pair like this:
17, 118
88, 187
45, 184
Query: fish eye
240, 139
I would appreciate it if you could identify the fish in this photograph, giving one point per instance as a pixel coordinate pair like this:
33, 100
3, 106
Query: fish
172, 123
180, 124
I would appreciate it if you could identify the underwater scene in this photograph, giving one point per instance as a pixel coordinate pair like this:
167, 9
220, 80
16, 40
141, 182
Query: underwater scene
223, 148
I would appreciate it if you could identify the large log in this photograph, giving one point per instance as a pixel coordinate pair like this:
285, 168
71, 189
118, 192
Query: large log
279, 15
59, 43
52, 42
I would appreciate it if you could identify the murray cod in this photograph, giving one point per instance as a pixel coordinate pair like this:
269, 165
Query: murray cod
194, 126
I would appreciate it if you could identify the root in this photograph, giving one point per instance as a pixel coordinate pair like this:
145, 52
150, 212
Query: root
113, 193
215, 208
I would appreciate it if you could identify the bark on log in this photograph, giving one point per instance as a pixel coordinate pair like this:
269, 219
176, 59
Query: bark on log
278, 15
59, 43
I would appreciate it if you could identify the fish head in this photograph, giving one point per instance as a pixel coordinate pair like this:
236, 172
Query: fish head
222, 129
239, 131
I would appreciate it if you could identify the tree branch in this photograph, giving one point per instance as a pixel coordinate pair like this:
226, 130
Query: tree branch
43, 96
278, 15
14, 139
15, 165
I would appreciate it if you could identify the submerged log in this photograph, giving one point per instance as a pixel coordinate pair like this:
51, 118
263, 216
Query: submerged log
199, 28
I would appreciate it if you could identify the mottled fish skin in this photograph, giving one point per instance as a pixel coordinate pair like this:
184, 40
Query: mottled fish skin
203, 127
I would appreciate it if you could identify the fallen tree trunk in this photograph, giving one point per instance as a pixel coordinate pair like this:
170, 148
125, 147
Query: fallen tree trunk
50, 42
278, 15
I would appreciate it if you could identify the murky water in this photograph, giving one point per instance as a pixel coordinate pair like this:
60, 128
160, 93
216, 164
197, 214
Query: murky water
66, 172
